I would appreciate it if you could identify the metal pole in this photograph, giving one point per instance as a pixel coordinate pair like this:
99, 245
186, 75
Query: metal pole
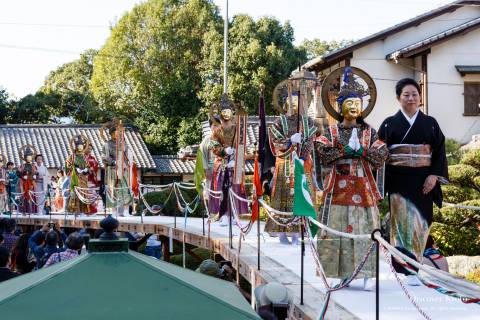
203, 223
225, 49
302, 260
230, 228
377, 273
258, 240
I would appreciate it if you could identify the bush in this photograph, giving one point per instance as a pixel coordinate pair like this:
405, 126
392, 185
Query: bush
472, 158
453, 240
453, 151
456, 194
461, 217
476, 181
462, 174
171, 209
474, 276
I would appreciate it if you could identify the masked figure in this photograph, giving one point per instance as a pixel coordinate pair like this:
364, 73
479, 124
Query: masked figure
222, 145
78, 169
27, 174
288, 136
115, 160
350, 151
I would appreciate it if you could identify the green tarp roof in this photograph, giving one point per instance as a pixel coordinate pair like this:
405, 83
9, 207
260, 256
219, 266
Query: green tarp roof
120, 286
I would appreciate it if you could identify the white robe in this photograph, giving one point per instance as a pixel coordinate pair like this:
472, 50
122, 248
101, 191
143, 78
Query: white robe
41, 186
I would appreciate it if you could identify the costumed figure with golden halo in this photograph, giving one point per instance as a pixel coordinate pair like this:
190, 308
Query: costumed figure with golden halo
292, 134
27, 172
117, 169
77, 169
228, 145
92, 174
3, 185
350, 152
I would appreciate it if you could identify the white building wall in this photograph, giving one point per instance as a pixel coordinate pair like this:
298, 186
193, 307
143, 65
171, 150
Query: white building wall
385, 74
446, 85
429, 28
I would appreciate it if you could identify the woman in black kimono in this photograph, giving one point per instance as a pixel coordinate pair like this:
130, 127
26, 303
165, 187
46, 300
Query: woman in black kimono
417, 163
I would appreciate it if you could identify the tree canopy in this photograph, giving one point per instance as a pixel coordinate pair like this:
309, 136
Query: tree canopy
162, 68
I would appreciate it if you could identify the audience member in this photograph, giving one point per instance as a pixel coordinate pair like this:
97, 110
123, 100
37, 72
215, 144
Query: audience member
5, 272
19, 258
433, 257
9, 237
74, 243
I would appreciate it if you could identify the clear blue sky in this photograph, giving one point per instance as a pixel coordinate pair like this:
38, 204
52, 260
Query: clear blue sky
36, 36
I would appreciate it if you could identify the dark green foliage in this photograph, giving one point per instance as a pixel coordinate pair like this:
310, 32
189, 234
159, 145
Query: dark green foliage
454, 240
456, 230
462, 174
455, 194
472, 158
452, 148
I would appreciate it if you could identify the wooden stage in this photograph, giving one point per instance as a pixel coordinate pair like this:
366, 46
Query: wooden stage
281, 263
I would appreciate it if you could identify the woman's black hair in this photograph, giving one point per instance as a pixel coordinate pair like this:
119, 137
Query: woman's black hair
430, 242
9, 163
405, 82
38, 155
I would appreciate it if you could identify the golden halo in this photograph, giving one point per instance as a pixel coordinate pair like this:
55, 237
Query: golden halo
86, 141
331, 86
21, 151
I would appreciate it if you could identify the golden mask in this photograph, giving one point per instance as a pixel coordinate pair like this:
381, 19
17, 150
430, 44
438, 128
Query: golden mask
352, 108
226, 114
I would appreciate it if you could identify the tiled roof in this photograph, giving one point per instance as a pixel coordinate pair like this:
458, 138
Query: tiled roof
318, 63
171, 164
252, 131
435, 39
52, 141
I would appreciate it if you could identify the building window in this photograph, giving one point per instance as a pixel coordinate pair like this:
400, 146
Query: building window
472, 99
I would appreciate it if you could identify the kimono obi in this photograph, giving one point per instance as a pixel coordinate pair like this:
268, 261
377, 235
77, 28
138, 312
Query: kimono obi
410, 155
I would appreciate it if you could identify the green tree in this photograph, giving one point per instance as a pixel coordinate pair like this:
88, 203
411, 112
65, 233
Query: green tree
35, 108
148, 68
4, 105
70, 83
260, 52
316, 47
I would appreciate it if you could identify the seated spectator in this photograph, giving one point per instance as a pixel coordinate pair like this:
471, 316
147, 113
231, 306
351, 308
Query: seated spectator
210, 268
432, 257
19, 258
153, 247
51, 247
74, 243
5, 272
9, 237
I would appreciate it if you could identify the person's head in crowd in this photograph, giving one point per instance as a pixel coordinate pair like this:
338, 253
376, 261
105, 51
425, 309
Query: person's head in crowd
10, 165
4, 257
75, 241
210, 268
22, 243
51, 239
10, 225
40, 239
60, 173
39, 159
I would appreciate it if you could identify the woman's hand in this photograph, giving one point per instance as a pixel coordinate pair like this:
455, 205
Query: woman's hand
429, 183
